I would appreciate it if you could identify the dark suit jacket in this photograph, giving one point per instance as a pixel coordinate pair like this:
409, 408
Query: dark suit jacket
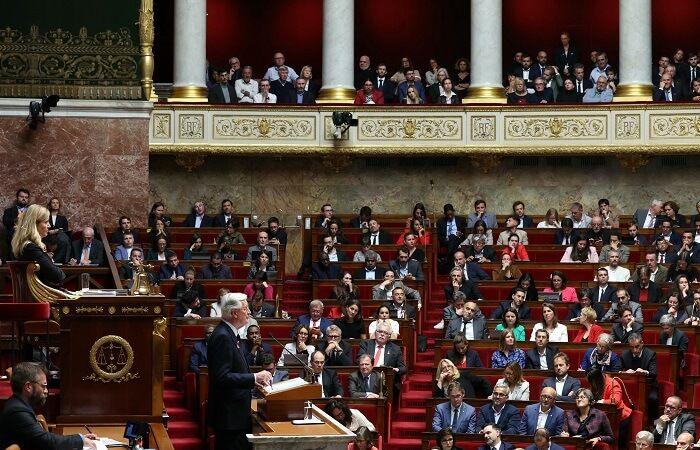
587, 84
61, 222
8, 219
414, 268
684, 423
509, 421
647, 362
607, 294
523, 311
307, 98
180, 310
530, 78
655, 295
571, 384
319, 272
473, 359
671, 256
305, 319
230, 382
561, 60
166, 271
384, 237
331, 383
190, 221
547, 95
358, 388
409, 310
527, 221
97, 251
254, 359
487, 251
559, 236
216, 94
336, 358
18, 425
267, 310
118, 236
280, 90
660, 96
481, 330
619, 333
460, 222
49, 273
379, 273
532, 358
198, 356
471, 290
224, 273
219, 221
393, 357
504, 445
179, 289
388, 89
554, 423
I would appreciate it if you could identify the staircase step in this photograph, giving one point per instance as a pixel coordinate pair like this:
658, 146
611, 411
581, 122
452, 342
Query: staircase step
409, 414
190, 443
178, 413
408, 429
183, 429
173, 398
170, 383
403, 444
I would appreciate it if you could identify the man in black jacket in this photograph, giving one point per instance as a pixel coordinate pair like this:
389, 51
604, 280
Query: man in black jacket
18, 422
223, 92
542, 356
9, 216
640, 359
327, 378
338, 352
300, 96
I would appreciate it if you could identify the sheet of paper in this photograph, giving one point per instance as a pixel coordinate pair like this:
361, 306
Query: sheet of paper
99, 445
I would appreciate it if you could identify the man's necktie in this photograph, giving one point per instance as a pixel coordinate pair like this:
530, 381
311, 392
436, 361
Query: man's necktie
662, 258
668, 95
670, 433
85, 259
367, 387
579, 87
455, 418
381, 83
377, 354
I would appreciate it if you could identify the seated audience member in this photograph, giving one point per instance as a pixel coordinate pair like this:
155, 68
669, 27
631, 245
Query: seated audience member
547, 411
300, 345
473, 328
190, 306
351, 322
578, 218
223, 92
158, 213
597, 234
246, 87
527, 282
641, 359
368, 95
667, 232
351, 418
345, 289
493, 438
448, 95
693, 310
283, 86
666, 91
324, 269
361, 254
681, 285
326, 217
524, 221
385, 289
580, 253
601, 356
567, 234
541, 357
159, 231
564, 385
258, 307
412, 97
254, 348
336, 233
198, 218
187, 284
314, 321
556, 332
511, 322
670, 212
672, 308
520, 96
450, 229
226, 215
657, 273
513, 378
196, 247
172, 269
362, 219
365, 383
126, 271
610, 220
470, 270
267, 362
669, 427
515, 249
626, 326
198, 356
386, 353
507, 352
601, 93
542, 94
260, 285
264, 96
551, 220
435, 90
623, 299
277, 234
542, 437
370, 271
558, 285
398, 308
445, 440
604, 292
455, 414
508, 415
299, 95
160, 250
670, 335
216, 269
479, 228
517, 302
589, 330
328, 246
215, 308
410, 81
311, 85
384, 316
117, 237
511, 225
587, 421
414, 237
681, 274
643, 290
87, 251
123, 251
461, 355
461, 77
226, 241
405, 268
261, 265
363, 440
261, 246
508, 270
327, 378
568, 94
612, 390
633, 237
479, 252
337, 350
647, 219
376, 235
457, 283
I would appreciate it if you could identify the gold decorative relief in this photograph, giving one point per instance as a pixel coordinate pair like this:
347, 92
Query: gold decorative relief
329, 129
674, 126
337, 163
485, 163
189, 161
191, 126
89, 310
263, 127
111, 310
633, 162
409, 128
159, 326
627, 126
562, 127
483, 128
161, 126
111, 358
135, 310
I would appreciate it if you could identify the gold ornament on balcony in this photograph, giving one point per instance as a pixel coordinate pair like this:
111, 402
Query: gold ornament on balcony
555, 127
409, 128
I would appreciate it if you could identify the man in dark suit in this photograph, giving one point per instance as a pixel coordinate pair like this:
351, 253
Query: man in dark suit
519, 211
455, 413
268, 363
540, 65
567, 235
646, 218
171, 270
543, 441
276, 234
555, 415
673, 422
665, 253
666, 91
566, 56
338, 351
640, 359
9, 216
254, 347
690, 71
534, 357
525, 71
643, 290
230, 382
517, 302
365, 383
383, 84
223, 92
18, 421
370, 271
492, 436
363, 72
581, 81
259, 308
670, 335
473, 328
622, 330
362, 219
226, 214
398, 308
198, 217
450, 229
668, 233
88, 250
326, 217
215, 270
324, 269
604, 292
385, 353
563, 383
471, 271
313, 321
116, 238
327, 378
376, 235
300, 96
405, 268
543, 94
479, 252
509, 419
283, 86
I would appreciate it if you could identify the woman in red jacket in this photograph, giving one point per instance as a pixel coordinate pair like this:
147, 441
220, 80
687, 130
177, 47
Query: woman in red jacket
608, 389
589, 331
515, 249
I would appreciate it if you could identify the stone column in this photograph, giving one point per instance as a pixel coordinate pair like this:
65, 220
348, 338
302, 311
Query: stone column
189, 80
338, 52
635, 51
486, 53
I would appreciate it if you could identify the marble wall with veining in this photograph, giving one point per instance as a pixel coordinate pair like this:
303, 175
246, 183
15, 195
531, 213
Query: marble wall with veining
97, 167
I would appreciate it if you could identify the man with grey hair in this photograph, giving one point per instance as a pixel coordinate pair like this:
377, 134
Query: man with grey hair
647, 218
87, 251
385, 289
499, 411
578, 217
273, 74
644, 440
600, 93
601, 356
338, 351
385, 353
670, 335
673, 422
230, 382
479, 252
314, 321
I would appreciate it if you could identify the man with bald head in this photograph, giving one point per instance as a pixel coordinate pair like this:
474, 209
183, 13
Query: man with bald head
544, 414
666, 92
363, 72
87, 251
673, 423
600, 93
273, 74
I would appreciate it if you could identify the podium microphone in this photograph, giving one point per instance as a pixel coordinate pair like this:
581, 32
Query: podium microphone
303, 364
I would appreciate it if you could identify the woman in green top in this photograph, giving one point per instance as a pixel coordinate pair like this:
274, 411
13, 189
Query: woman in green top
511, 321
229, 238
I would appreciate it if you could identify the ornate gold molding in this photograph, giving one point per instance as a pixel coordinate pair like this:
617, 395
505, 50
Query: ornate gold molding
146, 34
486, 163
189, 161
265, 127
111, 358
558, 127
427, 127
633, 162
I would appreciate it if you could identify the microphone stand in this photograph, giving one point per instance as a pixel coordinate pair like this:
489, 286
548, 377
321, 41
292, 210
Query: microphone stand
307, 368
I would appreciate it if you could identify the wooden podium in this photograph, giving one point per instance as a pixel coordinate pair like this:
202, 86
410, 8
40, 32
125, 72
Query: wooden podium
111, 359
287, 402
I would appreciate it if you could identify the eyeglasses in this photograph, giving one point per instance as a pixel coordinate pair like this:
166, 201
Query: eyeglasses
44, 386
333, 336
499, 394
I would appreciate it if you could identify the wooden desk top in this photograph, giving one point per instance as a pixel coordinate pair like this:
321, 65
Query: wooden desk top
115, 432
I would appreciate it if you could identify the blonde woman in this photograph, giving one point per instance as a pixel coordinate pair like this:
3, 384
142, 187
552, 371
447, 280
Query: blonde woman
445, 374
32, 227
311, 85
513, 377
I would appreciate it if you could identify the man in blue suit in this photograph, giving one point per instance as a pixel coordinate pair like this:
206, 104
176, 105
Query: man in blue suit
554, 423
455, 414
492, 436
509, 416
314, 321
543, 441
564, 385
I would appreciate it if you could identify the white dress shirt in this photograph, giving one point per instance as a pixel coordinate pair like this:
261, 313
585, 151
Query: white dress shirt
258, 98
272, 74
251, 87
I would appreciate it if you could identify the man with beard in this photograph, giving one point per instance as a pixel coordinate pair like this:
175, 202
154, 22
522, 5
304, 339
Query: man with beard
18, 422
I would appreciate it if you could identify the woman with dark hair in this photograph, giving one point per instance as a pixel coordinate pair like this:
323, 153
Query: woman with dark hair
228, 238
608, 389
158, 212
527, 282
507, 352
557, 331
693, 311
670, 209
57, 221
461, 355
587, 422
262, 264
461, 77
515, 249
513, 377
160, 250
350, 418
479, 229
383, 316
580, 253
416, 228
681, 273
363, 440
336, 233
419, 212
673, 308
568, 94
410, 242
159, 230
511, 322
259, 284
558, 286
299, 346
350, 323
446, 440
508, 271
196, 247
345, 290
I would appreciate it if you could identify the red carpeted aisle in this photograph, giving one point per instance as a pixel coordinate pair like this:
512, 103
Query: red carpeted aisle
183, 429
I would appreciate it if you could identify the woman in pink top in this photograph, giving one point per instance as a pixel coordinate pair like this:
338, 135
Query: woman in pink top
259, 284
580, 253
558, 285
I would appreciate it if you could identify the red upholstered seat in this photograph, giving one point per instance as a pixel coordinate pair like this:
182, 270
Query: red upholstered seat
25, 311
